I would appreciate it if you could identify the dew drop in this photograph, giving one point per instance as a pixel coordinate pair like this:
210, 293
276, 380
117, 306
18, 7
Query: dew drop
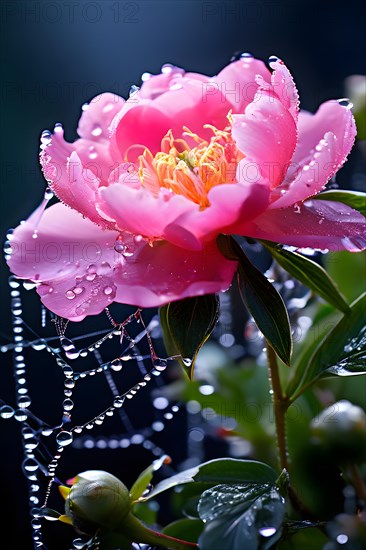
21, 415
167, 68
58, 127
118, 402
48, 194
46, 137
78, 544
267, 531
64, 438
186, 361
24, 402
246, 55
108, 107
272, 60
68, 404
30, 466
108, 290
160, 364
78, 290
96, 131
6, 412
345, 102
116, 365
133, 90
70, 294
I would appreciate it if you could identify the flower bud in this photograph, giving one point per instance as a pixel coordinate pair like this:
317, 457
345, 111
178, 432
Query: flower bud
96, 499
341, 430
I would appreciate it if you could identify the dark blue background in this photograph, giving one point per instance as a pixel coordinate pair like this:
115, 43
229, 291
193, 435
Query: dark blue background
57, 54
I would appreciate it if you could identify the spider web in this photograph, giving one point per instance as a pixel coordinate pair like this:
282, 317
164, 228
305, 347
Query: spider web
96, 373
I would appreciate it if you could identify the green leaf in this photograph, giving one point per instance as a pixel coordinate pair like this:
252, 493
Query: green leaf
142, 482
219, 470
310, 274
354, 199
186, 325
185, 529
343, 350
261, 298
241, 516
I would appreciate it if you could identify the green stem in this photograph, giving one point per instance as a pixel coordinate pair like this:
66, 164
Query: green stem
138, 532
280, 405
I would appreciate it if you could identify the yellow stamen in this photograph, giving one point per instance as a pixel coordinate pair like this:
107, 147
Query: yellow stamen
191, 172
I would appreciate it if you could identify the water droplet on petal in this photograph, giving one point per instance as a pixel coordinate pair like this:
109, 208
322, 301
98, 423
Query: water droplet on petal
273, 59
70, 295
96, 131
48, 194
78, 290
46, 137
108, 290
345, 102
58, 127
133, 90
92, 153
145, 76
246, 55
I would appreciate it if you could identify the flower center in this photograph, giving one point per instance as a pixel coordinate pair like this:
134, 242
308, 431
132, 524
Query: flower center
191, 172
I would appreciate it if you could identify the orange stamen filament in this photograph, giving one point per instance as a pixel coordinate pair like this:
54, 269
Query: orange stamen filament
191, 172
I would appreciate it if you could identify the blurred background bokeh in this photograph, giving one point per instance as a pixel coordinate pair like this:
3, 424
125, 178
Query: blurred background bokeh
58, 55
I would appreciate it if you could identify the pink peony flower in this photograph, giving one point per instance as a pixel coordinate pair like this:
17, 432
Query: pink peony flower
153, 180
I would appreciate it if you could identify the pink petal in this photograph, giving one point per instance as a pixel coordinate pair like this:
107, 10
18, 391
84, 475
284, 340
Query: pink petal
66, 244
158, 84
80, 273
284, 87
266, 134
189, 103
73, 183
323, 225
163, 273
97, 117
237, 82
325, 140
231, 206
138, 211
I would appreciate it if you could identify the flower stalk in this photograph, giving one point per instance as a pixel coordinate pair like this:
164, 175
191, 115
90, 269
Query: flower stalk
280, 405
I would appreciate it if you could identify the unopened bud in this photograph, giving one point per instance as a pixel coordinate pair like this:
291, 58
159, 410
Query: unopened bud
341, 430
96, 499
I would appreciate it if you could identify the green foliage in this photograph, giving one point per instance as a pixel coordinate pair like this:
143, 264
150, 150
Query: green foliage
310, 274
142, 482
261, 298
186, 325
342, 351
246, 516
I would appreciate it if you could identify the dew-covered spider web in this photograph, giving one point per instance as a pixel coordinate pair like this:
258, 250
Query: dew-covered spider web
85, 381
84, 388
